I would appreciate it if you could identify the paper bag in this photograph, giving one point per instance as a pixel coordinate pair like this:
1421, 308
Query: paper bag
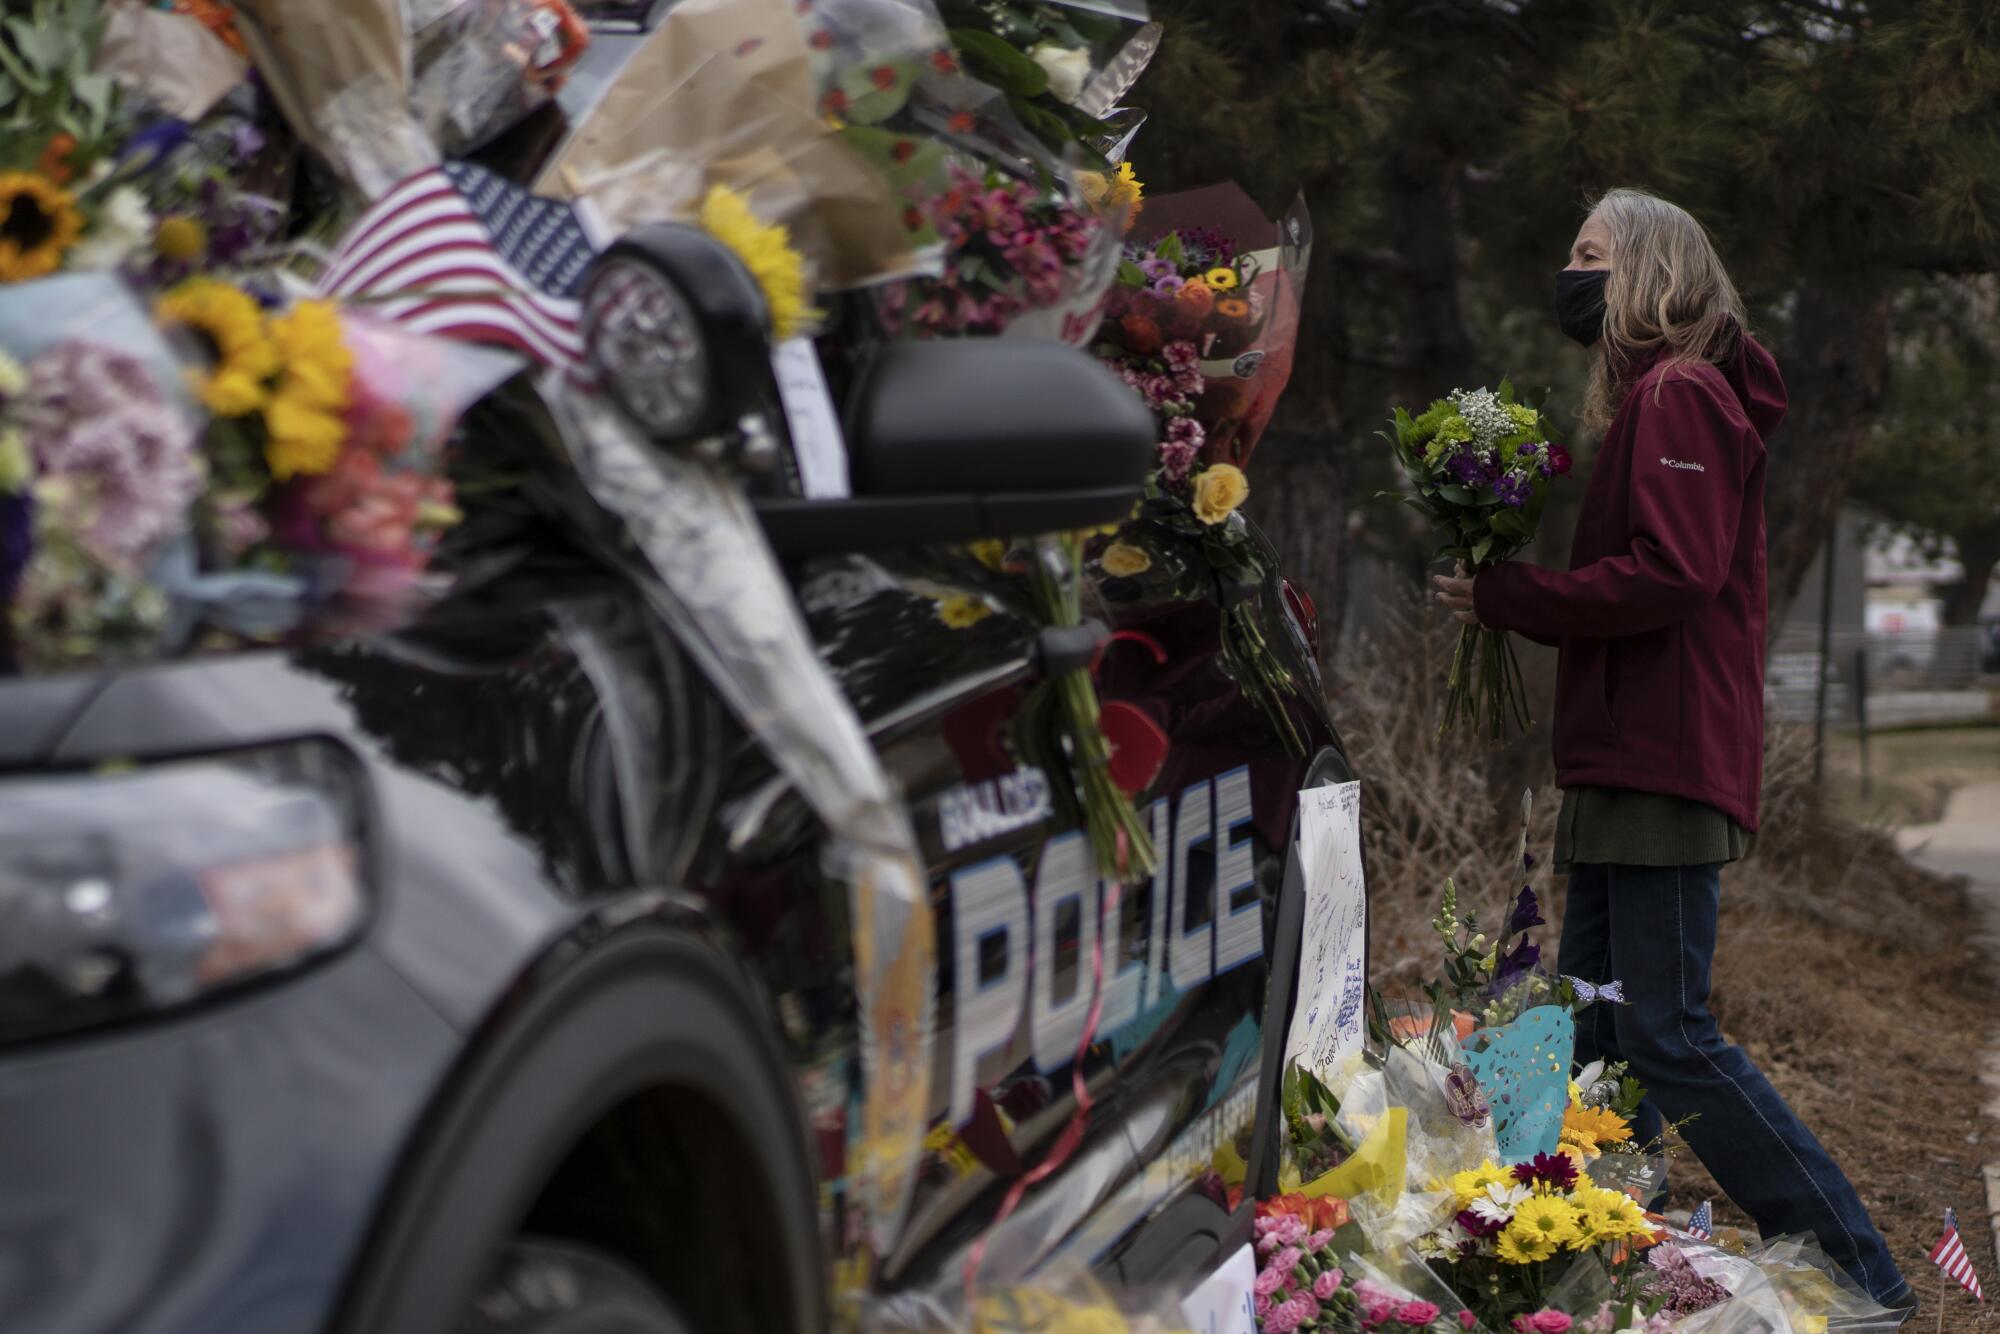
169, 59
722, 93
340, 70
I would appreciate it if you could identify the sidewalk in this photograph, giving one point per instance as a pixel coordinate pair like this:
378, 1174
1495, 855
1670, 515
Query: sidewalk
1967, 842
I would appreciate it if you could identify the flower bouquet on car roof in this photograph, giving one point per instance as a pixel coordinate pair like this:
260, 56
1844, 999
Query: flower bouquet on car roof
1479, 463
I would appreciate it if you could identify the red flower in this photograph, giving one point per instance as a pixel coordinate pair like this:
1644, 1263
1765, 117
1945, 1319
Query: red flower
1559, 460
834, 102
883, 77
1317, 1214
944, 62
903, 150
821, 40
1142, 335
962, 122
54, 162
913, 218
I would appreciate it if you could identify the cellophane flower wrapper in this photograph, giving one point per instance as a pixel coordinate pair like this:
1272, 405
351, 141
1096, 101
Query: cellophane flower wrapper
722, 93
368, 527
1245, 335
483, 66
1062, 1297
1395, 1213
1792, 1273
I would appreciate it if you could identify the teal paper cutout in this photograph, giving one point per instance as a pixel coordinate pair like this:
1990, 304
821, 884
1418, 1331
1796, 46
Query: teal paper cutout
1524, 1069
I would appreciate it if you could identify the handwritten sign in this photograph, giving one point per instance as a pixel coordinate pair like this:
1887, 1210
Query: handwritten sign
817, 442
1329, 1021
1226, 1303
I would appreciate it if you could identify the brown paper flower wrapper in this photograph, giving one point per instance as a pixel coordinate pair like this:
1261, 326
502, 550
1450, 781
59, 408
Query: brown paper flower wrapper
722, 93
169, 59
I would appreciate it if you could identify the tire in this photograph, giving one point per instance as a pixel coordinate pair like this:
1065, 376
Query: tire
555, 1287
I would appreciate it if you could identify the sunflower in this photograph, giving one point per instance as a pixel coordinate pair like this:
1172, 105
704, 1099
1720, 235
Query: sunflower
39, 222
765, 250
180, 237
1544, 1220
229, 325
306, 416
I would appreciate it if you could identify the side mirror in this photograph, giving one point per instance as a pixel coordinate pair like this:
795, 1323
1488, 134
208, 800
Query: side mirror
962, 439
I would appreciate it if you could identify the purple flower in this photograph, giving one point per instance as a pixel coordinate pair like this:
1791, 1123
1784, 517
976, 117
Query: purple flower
1526, 913
1156, 269
1168, 285
1480, 1227
96, 416
1177, 460
1553, 1169
1468, 470
1522, 959
1513, 490
17, 528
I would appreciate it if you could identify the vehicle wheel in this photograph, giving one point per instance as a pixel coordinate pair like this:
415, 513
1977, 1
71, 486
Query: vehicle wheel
541, 1286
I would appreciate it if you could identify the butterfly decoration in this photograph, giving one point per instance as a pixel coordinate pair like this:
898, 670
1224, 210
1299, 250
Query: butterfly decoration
1589, 993
1463, 1096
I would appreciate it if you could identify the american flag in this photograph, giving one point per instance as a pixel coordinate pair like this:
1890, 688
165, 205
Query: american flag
1701, 1223
1949, 1255
462, 253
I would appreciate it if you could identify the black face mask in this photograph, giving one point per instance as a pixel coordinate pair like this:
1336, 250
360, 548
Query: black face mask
1580, 303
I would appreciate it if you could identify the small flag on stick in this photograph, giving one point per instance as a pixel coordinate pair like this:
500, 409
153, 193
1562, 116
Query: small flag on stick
1701, 1223
1949, 1255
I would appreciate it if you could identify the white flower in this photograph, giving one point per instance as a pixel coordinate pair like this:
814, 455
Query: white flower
1500, 1201
1485, 414
1067, 69
1587, 1078
124, 226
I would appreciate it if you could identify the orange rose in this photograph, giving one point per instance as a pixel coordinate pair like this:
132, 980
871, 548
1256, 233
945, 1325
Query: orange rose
1197, 296
1142, 335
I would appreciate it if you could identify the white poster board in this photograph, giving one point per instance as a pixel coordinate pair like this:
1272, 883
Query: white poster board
1226, 1303
1330, 1020
818, 444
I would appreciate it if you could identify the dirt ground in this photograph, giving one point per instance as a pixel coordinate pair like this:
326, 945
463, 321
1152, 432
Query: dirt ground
1848, 974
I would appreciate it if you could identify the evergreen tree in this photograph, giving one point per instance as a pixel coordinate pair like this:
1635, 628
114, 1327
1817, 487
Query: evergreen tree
1838, 151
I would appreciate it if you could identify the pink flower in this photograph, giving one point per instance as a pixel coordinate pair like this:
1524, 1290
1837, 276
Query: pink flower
1318, 1241
1263, 1305
1416, 1313
1287, 1260
1369, 1293
1378, 1313
1311, 1305
1544, 1321
1284, 1317
1466, 1320
1270, 1281
1326, 1285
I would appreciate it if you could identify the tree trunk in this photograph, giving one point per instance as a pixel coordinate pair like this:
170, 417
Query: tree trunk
1978, 554
1836, 364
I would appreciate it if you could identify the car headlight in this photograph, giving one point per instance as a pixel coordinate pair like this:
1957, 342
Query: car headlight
127, 893
678, 331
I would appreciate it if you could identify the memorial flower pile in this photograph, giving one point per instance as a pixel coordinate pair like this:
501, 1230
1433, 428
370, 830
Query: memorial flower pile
1479, 464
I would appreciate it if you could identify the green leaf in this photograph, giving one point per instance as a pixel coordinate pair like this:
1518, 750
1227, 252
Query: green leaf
1511, 523
1169, 248
998, 62
1419, 507
1045, 125
1458, 495
1130, 275
1480, 550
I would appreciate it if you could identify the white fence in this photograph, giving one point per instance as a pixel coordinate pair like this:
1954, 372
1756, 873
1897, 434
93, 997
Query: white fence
1887, 680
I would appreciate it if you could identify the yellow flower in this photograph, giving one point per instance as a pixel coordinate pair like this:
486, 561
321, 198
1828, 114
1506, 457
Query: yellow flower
1469, 1186
990, 552
1544, 1219
1593, 1127
1219, 489
180, 237
1121, 191
1221, 279
16, 468
228, 324
1521, 1249
306, 416
39, 223
1123, 559
765, 250
962, 609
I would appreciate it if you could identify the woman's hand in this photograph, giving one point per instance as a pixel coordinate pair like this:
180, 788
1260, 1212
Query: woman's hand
1456, 594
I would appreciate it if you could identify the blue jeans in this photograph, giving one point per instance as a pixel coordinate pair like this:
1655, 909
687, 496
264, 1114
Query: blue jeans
1653, 929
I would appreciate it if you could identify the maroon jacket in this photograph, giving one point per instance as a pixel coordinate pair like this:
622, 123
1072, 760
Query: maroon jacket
1660, 617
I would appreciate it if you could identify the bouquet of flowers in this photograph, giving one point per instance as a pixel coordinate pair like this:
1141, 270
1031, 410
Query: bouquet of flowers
1479, 463
1306, 1282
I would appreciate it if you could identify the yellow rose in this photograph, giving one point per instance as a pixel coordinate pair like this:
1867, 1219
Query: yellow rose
1122, 560
1218, 491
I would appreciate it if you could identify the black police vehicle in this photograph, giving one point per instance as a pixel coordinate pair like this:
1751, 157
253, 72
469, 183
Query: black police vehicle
487, 976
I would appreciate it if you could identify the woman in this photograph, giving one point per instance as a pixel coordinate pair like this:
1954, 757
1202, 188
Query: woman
1659, 732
